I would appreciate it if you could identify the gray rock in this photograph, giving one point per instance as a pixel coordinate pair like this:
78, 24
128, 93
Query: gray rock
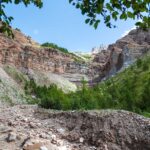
43, 148
81, 140
11, 137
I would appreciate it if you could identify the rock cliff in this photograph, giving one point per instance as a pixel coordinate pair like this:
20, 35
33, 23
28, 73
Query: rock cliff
28, 56
121, 54
29, 127
23, 52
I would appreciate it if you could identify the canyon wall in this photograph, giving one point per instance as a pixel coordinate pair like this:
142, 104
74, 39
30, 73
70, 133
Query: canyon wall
25, 54
121, 54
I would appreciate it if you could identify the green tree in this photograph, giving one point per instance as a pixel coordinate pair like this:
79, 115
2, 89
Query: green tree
95, 10
4, 25
145, 102
98, 10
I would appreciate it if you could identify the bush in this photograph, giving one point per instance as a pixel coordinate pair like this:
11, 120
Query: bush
129, 90
55, 46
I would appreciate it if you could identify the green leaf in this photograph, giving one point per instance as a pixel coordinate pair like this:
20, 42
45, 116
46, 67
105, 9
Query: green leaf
100, 8
123, 16
107, 19
114, 15
17, 1
70, 1
96, 24
138, 23
87, 21
91, 22
108, 6
77, 5
130, 15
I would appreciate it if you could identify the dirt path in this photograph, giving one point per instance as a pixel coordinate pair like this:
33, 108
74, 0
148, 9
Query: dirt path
25, 127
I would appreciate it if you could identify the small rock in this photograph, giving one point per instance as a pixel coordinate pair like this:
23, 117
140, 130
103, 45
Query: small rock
24, 120
53, 137
73, 136
38, 124
50, 133
19, 137
4, 129
43, 148
61, 130
54, 141
93, 148
22, 107
10, 123
32, 125
44, 136
11, 137
81, 140
105, 146
60, 143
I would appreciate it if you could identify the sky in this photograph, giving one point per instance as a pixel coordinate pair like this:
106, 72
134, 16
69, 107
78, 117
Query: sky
61, 23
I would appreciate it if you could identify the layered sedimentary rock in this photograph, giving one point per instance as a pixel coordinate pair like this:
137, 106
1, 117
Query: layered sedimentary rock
122, 53
35, 58
25, 54
133, 45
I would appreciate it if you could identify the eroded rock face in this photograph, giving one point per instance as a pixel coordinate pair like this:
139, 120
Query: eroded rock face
37, 58
25, 54
133, 45
122, 53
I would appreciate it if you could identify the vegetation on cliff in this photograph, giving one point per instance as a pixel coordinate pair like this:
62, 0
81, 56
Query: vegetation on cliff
63, 50
55, 46
129, 90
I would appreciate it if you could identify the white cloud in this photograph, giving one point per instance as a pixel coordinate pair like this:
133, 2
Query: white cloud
36, 31
127, 31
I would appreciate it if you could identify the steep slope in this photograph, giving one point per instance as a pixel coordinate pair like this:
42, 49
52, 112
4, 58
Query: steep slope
28, 57
122, 53
30, 127
128, 90
10, 91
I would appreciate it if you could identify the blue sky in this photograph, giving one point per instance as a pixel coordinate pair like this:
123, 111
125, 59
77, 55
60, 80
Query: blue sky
59, 22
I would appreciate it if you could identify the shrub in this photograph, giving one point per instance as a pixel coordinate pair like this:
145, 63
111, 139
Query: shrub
55, 46
129, 90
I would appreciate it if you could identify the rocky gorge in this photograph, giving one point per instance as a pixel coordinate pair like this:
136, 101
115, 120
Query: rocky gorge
28, 56
122, 53
29, 127
23, 53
